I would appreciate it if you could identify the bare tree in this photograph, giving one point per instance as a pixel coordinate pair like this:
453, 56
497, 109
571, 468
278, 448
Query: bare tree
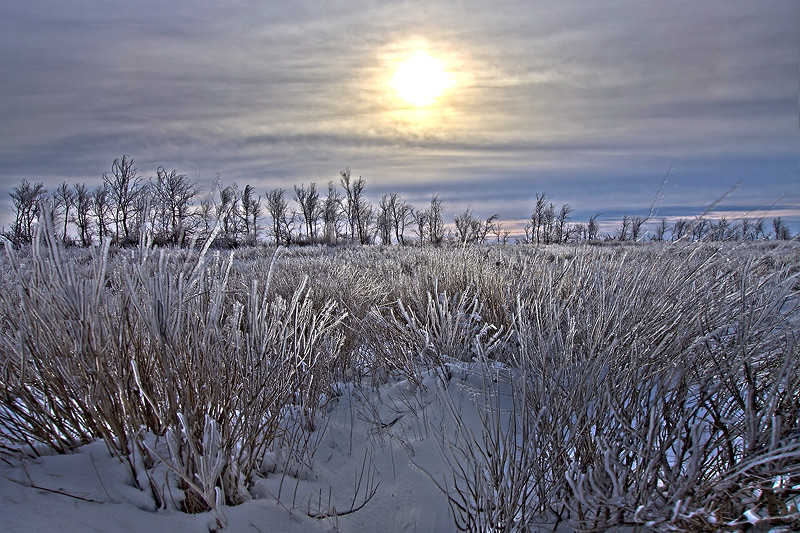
359, 211
278, 211
83, 205
54, 207
384, 220
752, 230
227, 212
721, 231
680, 229
622, 233
331, 214
142, 210
501, 233
467, 227
124, 186
435, 220
758, 229
64, 197
592, 228
255, 211
699, 228
781, 229
400, 215
537, 217
403, 216
470, 229
542, 219
580, 232
745, 230
101, 206
26, 199
172, 196
548, 221
249, 213
486, 226
348, 201
422, 226
310, 209
562, 218
366, 222
529, 231
245, 201
661, 230
206, 218
637, 223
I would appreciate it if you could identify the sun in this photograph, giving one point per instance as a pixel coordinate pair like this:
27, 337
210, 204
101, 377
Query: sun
421, 79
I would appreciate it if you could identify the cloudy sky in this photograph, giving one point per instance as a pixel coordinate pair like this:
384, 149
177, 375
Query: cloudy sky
589, 102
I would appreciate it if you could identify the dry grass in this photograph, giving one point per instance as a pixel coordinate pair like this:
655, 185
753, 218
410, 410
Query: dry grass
143, 347
652, 385
658, 388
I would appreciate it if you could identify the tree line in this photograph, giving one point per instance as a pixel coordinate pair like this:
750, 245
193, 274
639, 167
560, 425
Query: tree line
548, 225
165, 207
168, 207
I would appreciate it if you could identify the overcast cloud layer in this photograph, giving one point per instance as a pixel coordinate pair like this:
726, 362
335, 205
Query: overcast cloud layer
590, 102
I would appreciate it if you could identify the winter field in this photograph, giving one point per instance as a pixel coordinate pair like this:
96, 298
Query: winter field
501, 388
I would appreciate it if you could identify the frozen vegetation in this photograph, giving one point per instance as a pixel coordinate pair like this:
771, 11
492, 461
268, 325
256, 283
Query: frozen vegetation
649, 387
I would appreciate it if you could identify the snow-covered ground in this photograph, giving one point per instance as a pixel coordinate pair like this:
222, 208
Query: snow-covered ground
628, 393
381, 438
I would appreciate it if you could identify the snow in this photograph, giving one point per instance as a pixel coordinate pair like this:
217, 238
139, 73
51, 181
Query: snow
382, 438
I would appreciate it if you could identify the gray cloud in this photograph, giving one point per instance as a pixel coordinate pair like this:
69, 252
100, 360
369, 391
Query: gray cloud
589, 102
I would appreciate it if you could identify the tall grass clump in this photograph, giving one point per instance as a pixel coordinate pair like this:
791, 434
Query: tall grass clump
168, 362
656, 387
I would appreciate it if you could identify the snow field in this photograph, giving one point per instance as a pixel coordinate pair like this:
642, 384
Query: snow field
485, 389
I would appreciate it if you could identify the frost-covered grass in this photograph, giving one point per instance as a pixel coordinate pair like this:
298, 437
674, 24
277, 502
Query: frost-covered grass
587, 387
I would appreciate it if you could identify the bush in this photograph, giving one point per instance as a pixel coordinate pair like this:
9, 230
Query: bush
651, 386
170, 350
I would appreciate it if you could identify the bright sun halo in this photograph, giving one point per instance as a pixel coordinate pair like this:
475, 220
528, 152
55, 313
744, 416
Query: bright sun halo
421, 79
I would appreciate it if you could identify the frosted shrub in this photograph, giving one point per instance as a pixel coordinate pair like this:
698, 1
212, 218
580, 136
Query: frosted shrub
660, 388
168, 349
650, 386
450, 328
54, 385
495, 482
711, 440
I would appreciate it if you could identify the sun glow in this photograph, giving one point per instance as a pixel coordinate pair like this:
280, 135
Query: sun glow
421, 79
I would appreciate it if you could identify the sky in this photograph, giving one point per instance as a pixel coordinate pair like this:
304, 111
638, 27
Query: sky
590, 103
